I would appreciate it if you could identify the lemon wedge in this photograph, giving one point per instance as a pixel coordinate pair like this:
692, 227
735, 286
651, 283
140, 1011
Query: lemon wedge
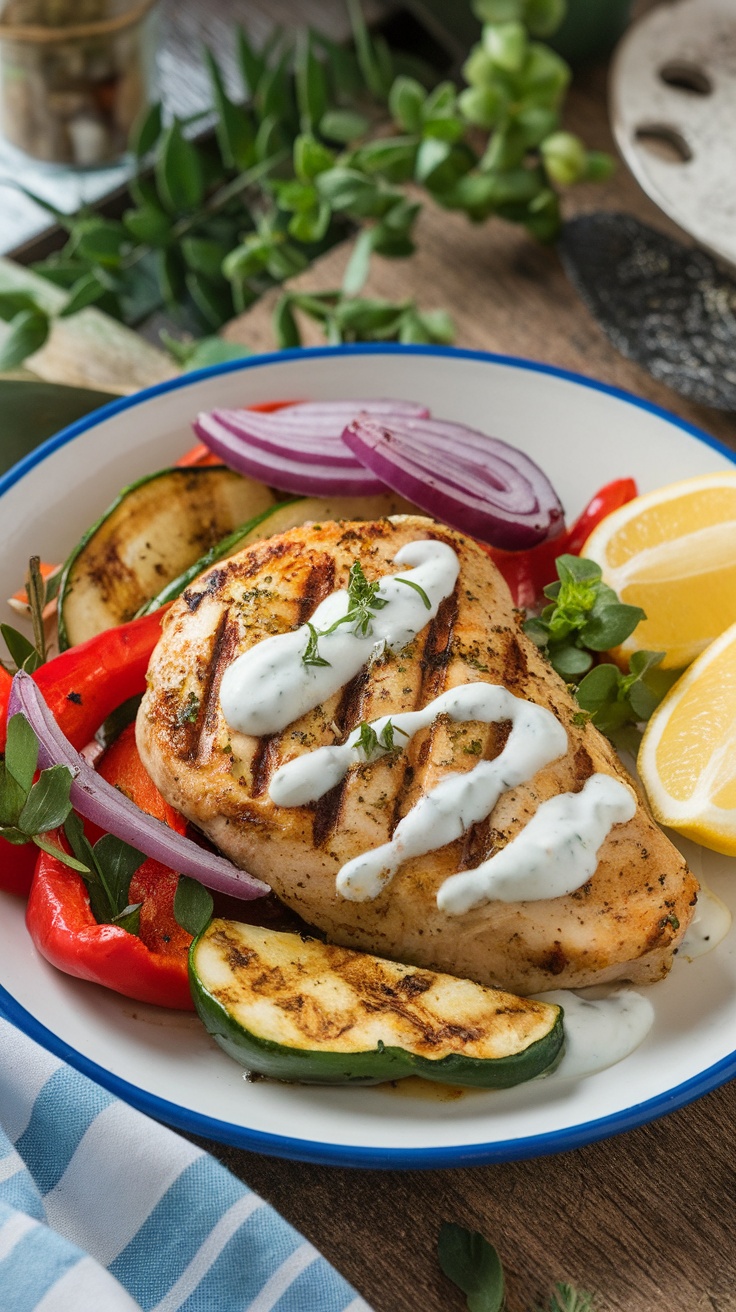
673, 552
687, 758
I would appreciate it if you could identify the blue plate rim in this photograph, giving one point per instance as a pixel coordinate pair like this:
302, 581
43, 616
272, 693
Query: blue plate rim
105, 412
311, 1150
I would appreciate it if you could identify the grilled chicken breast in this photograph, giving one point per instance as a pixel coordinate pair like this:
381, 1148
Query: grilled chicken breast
623, 924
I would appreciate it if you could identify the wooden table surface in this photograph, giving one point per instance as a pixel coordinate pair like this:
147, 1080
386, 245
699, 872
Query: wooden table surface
646, 1220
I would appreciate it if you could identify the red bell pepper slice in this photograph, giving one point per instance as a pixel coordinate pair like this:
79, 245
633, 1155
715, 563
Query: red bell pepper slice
66, 933
82, 687
151, 966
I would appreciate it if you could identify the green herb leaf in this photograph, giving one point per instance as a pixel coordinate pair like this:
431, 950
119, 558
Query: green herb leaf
12, 801
146, 131
203, 255
311, 158
207, 351
343, 125
311, 83
367, 740
29, 330
409, 583
386, 736
343, 188
87, 291
130, 918
406, 101
21, 752
285, 325
179, 175
14, 302
47, 805
569, 662
193, 905
117, 862
310, 655
79, 843
565, 1298
212, 298
610, 626
235, 134
358, 266
66, 860
251, 64
149, 225
22, 652
471, 1263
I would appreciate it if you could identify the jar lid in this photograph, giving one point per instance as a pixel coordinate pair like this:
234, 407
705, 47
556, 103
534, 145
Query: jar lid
40, 31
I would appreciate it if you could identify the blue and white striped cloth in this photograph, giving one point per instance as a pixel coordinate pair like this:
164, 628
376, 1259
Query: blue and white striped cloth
104, 1210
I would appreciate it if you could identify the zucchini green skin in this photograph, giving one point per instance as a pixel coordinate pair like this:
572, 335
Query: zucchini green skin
95, 573
321, 1066
247, 533
225, 547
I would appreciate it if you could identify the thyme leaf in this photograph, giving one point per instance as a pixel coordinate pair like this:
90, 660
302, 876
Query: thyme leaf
411, 584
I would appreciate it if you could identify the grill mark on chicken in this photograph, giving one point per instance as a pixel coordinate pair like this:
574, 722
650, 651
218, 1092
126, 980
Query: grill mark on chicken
319, 584
224, 648
478, 841
326, 813
265, 758
214, 583
583, 765
349, 712
433, 664
516, 667
437, 647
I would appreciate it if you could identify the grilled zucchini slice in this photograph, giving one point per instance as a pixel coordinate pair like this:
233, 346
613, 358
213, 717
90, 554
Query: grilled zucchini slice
294, 1008
279, 518
152, 531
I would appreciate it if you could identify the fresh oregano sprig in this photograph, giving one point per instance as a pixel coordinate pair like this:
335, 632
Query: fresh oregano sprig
363, 602
471, 1263
30, 811
584, 618
107, 869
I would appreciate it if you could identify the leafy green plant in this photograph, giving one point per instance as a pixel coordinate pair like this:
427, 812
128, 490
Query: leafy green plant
302, 157
584, 618
471, 1263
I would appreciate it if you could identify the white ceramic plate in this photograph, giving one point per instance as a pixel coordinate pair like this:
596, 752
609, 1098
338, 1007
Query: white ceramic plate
583, 434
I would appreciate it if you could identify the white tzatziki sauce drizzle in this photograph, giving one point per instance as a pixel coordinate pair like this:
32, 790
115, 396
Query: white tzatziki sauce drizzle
461, 800
600, 1029
555, 853
270, 686
536, 738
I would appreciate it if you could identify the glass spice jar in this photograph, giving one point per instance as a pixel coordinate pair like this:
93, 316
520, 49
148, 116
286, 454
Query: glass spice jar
74, 75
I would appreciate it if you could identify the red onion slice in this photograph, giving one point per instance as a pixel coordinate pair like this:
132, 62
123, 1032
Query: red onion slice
276, 447
108, 808
476, 484
298, 441
310, 476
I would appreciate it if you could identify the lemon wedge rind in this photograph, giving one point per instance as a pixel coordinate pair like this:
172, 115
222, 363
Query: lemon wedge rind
687, 726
